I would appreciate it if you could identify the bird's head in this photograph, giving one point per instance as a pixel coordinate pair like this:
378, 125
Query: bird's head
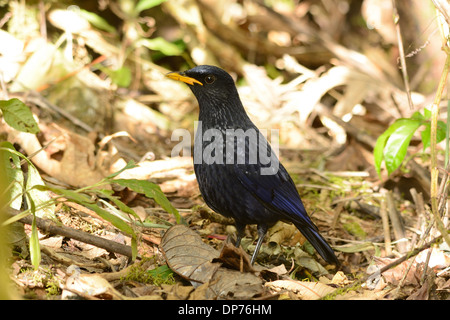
208, 83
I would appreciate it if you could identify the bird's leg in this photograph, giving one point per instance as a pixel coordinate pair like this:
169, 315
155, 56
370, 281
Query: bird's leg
240, 233
262, 230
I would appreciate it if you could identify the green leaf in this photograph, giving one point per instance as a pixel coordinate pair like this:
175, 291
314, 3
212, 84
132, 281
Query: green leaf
441, 131
391, 146
129, 165
426, 134
162, 45
35, 248
153, 191
97, 21
41, 199
122, 206
418, 116
121, 76
19, 116
397, 144
353, 248
11, 170
104, 214
161, 274
147, 4
10, 159
87, 202
381, 143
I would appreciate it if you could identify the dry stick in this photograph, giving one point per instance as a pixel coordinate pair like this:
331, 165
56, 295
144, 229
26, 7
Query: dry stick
386, 230
401, 52
410, 254
397, 224
444, 8
420, 211
433, 147
443, 190
51, 227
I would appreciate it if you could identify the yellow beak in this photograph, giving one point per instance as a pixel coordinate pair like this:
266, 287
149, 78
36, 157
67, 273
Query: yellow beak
179, 77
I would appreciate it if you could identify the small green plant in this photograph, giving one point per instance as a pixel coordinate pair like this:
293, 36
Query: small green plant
40, 204
157, 276
18, 115
392, 145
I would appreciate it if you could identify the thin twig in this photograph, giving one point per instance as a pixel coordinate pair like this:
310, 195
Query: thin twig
401, 52
386, 230
397, 224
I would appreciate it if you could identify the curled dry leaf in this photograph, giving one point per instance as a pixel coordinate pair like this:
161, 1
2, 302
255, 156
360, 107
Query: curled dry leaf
234, 258
187, 255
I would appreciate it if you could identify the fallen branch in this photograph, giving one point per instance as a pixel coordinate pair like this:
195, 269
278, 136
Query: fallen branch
50, 227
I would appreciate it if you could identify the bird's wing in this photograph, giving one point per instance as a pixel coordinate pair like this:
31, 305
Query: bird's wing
276, 191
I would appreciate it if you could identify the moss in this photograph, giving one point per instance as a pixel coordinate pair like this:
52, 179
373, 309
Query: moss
157, 276
355, 229
341, 291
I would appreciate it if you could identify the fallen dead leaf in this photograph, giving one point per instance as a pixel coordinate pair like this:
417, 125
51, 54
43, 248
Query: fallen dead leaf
233, 284
396, 274
88, 286
305, 290
77, 166
187, 255
438, 259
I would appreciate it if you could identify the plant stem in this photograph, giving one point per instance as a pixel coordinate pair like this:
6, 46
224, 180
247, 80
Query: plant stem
434, 166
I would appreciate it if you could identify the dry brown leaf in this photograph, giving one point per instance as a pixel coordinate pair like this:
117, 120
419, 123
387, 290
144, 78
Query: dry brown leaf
147, 169
187, 255
304, 289
77, 166
396, 274
438, 259
177, 291
362, 295
52, 242
234, 258
421, 294
89, 286
233, 284
340, 279
282, 232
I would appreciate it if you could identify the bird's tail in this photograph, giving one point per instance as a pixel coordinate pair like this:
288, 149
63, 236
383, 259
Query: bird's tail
319, 243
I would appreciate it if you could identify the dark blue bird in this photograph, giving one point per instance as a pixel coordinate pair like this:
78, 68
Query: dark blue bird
239, 175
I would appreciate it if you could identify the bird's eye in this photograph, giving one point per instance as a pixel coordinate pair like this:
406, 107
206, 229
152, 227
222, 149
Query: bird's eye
210, 79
